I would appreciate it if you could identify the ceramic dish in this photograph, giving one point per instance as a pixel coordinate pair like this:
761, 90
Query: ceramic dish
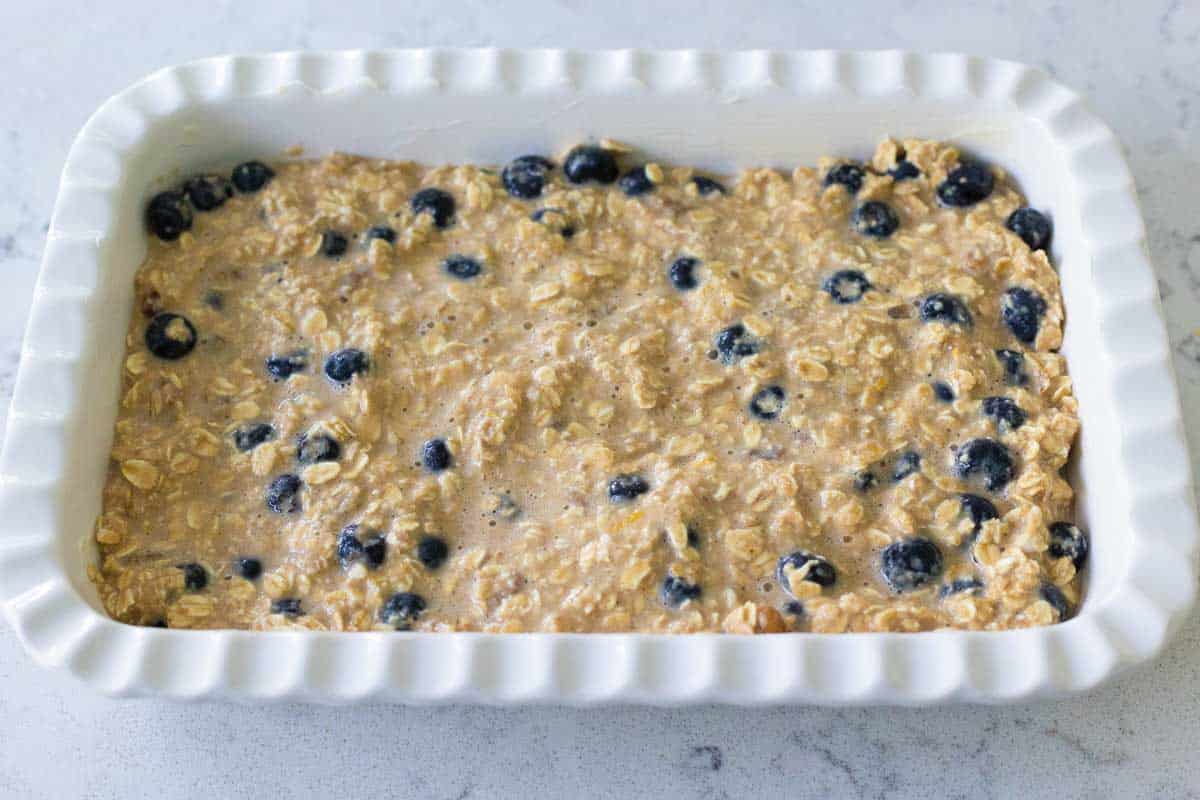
720, 111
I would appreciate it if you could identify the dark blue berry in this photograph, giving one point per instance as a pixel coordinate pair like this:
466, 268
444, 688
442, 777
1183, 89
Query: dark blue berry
875, 219
251, 436
848, 175
435, 455
972, 585
168, 215
402, 609
1022, 309
910, 563
436, 203
979, 509
906, 465
865, 480
904, 171
287, 606
375, 551
251, 176
462, 267
1013, 364
682, 273
342, 365
987, 460
626, 487
283, 494
170, 336
1007, 414
524, 178
635, 182
820, 571
676, 591
846, 286
280, 367
943, 392
735, 342
1055, 597
794, 607
589, 163
942, 307
767, 403
381, 232
567, 230
1032, 226
248, 568
349, 546
207, 192
195, 577
333, 244
317, 447
706, 186
966, 185
1068, 541
432, 551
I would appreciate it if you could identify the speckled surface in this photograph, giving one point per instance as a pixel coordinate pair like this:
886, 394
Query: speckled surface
1140, 65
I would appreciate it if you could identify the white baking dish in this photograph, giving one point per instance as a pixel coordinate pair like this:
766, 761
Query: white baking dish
720, 111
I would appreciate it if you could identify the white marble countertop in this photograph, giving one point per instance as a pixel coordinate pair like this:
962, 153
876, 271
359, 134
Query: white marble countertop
1140, 65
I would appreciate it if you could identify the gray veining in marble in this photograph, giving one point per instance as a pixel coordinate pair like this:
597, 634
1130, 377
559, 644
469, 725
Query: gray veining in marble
1139, 62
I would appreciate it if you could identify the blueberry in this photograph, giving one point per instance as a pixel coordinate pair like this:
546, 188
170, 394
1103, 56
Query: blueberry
316, 447
987, 459
342, 365
283, 494
333, 244
626, 487
1068, 541
280, 367
734, 342
943, 392
942, 307
1032, 226
904, 171
966, 185
195, 577
676, 591
846, 286
979, 509
170, 336
432, 551
848, 175
972, 585
794, 607
865, 480
567, 230
1022, 309
401, 609
251, 176
910, 563
1055, 597
589, 163
682, 273
706, 186
635, 182
1007, 414
1013, 364
251, 436
207, 192
349, 546
168, 215
462, 267
248, 568
435, 455
875, 219
524, 178
820, 571
375, 551
436, 203
767, 403
906, 465
381, 232
287, 606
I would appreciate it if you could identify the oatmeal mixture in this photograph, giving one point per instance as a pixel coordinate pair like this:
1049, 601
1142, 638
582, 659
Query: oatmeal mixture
594, 394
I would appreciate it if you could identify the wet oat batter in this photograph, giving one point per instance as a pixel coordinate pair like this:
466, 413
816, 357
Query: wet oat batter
594, 395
